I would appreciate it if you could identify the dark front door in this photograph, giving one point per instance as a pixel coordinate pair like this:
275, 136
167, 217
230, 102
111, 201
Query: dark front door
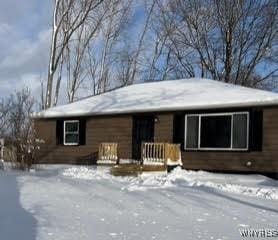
143, 131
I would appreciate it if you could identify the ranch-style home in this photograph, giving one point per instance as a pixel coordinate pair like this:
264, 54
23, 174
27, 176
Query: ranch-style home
217, 126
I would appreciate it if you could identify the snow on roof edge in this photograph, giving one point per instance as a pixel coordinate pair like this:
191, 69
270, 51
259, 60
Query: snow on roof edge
201, 107
163, 96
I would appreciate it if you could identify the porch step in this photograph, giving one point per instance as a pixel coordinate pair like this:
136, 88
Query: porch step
135, 170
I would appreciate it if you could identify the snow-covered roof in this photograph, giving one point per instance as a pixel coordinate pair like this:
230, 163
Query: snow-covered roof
184, 94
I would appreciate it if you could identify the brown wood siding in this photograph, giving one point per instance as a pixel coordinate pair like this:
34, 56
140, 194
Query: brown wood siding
119, 129
264, 161
98, 129
163, 128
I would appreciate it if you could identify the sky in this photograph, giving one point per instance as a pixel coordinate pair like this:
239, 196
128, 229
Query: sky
25, 33
25, 30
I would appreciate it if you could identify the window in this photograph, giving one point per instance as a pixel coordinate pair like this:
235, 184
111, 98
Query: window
215, 132
240, 131
192, 132
71, 132
218, 131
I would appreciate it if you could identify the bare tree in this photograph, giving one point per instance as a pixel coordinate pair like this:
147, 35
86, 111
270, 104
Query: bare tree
160, 50
76, 53
20, 134
92, 47
72, 13
85, 34
224, 40
100, 60
111, 36
5, 106
131, 58
125, 63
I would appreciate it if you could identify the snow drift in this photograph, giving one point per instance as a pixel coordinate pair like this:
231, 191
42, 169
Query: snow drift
251, 185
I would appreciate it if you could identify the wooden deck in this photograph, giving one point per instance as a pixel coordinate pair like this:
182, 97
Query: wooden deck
155, 157
161, 154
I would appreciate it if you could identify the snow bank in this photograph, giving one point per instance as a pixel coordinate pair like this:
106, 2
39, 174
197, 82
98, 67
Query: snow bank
251, 185
88, 173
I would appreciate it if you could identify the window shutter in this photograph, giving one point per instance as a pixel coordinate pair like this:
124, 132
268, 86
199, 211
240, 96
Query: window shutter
82, 131
178, 129
256, 130
60, 132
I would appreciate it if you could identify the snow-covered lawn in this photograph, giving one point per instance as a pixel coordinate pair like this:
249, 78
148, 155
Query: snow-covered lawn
67, 202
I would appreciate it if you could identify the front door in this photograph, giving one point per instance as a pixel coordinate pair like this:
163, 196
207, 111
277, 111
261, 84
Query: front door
143, 131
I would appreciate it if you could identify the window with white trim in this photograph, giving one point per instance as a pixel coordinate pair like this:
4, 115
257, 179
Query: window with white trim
71, 132
217, 131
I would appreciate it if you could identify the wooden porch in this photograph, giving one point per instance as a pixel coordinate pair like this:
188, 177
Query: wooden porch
155, 156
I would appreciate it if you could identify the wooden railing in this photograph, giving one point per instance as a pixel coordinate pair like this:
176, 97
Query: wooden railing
173, 152
160, 153
108, 151
153, 153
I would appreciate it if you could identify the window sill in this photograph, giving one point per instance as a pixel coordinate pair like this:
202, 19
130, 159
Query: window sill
216, 150
71, 145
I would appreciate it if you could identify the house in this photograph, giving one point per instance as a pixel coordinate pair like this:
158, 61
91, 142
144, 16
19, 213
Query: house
220, 126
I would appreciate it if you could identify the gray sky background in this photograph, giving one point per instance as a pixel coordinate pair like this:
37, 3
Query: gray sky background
24, 43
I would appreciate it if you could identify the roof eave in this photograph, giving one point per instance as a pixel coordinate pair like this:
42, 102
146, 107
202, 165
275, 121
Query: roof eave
165, 109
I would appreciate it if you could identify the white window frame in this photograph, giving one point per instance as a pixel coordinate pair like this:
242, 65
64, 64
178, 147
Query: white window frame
212, 115
75, 132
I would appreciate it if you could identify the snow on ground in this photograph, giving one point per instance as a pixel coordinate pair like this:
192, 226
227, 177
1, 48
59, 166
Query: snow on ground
69, 203
229, 183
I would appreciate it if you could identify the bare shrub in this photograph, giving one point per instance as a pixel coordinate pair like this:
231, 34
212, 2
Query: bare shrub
18, 130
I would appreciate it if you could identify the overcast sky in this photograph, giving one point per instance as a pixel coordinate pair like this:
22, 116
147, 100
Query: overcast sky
24, 43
